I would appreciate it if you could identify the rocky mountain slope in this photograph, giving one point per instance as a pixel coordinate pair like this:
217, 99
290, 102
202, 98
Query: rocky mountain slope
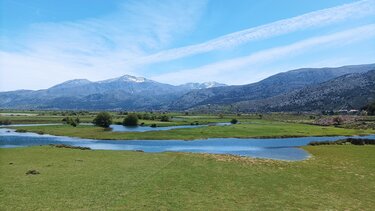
275, 85
351, 91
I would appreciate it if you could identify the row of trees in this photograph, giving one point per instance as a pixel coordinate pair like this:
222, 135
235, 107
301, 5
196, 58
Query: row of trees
104, 119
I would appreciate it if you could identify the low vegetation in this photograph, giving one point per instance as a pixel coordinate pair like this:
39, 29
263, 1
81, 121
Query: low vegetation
5, 122
71, 121
370, 108
335, 178
253, 129
69, 146
354, 141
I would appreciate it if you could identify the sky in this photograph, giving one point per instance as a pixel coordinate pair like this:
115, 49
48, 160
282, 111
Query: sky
46, 42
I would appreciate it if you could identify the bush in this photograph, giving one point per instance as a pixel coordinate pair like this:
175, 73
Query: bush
71, 121
130, 120
103, 119
164, 118
69, 146
234, 121
32, 172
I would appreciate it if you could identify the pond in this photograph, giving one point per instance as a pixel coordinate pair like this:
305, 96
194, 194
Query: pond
272, 148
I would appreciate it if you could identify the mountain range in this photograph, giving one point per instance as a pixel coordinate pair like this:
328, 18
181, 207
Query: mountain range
125, 92
306, 89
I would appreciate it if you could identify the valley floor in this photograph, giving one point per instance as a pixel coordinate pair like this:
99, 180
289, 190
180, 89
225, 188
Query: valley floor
249, 129
335, 178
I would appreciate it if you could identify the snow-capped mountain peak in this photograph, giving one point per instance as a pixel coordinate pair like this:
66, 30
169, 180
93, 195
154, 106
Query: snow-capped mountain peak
203, 85
211, 84
126, 78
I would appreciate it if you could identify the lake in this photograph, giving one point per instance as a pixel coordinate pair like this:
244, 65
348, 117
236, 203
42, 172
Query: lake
272, 148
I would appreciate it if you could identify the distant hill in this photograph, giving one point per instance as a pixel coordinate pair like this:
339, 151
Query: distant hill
272, 86
126, 92
351, 91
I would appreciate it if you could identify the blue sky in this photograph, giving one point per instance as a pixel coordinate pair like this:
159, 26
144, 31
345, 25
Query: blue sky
44, 42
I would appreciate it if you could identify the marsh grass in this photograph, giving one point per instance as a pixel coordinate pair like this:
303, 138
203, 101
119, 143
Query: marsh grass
337, 177
254, 129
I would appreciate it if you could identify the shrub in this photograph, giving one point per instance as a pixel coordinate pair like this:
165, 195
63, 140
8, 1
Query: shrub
164, 118
71, 121
130, 120
103, 119
32, 172
234, 121
370, 108
354, 141
69, 146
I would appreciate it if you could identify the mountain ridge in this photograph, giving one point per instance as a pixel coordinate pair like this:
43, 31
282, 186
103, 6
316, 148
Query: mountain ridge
138, 93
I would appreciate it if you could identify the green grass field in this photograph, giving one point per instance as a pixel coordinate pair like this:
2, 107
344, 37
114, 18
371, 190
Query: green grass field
255, 128
335, 178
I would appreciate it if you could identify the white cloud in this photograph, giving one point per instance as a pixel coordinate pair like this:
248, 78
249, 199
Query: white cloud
226, 70
308, 20
94, 48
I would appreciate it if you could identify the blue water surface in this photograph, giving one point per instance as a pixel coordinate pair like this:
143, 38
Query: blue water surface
272, 148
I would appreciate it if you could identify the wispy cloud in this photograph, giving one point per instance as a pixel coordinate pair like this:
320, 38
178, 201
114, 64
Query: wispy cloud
135, 36
224, 70
309, 20
96, 47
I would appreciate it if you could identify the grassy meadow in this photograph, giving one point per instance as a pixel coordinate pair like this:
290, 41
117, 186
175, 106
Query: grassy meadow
250, 125
335, 178
255, 129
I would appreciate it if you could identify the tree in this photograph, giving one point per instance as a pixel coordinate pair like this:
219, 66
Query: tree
103, 119
234, 121
130, 120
